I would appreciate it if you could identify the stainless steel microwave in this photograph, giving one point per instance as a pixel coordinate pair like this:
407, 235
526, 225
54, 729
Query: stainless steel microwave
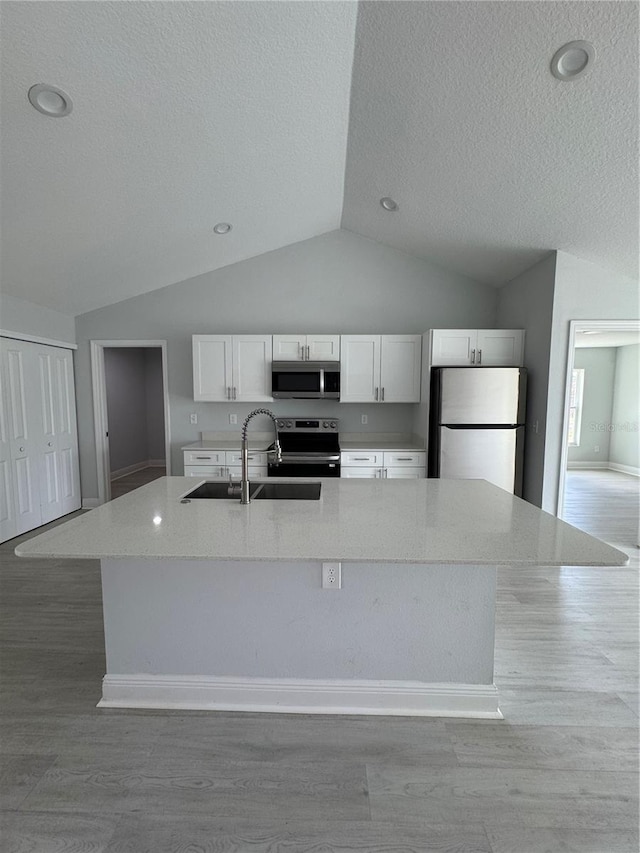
305, 380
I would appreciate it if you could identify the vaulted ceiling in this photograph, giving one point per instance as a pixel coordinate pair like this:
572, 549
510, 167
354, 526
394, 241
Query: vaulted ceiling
290, 119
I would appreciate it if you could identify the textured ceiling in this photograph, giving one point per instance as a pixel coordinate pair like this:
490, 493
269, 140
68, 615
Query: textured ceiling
185, 115
493, 161
190, 113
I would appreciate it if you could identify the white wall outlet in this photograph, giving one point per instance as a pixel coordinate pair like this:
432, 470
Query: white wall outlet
596, 449
364, 419
233, 419
331, 575
193, 418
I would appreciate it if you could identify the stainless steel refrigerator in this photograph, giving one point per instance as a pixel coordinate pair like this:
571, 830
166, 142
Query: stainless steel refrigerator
476, 425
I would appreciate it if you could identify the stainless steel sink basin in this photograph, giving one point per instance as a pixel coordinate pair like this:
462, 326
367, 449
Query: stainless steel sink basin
287, 492
294, 491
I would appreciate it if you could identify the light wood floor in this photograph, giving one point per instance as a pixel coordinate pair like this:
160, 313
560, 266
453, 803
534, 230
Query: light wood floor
558, 774
124, 485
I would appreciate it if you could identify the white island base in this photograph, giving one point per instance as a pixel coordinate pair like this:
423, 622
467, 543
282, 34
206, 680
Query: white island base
402, 639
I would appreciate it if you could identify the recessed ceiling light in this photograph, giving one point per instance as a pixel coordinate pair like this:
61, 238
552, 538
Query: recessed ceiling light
222, 228
389, 204
573, 60
50, 100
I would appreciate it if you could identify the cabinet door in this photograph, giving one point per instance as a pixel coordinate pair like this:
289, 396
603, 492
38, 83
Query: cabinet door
360, 368
323, 347
252, 368
212, 367
452, 347
402, 473
289, 347
25, 432
500, 347
400, 362
362, 472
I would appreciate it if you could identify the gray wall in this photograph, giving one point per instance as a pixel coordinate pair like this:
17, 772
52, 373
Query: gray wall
583, 291
527, 303
16, 315
134, 406
126, 406
625, 438
338, 282
599, 365
155, 404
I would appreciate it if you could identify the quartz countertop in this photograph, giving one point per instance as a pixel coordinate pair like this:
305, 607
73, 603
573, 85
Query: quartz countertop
403, 521
257, 445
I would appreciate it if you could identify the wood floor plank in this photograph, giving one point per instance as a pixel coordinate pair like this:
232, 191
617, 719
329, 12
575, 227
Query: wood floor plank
162, 834
543, 840
46, 832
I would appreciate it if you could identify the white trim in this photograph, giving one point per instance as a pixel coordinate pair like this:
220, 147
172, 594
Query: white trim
587, 466
139, 466
90, 503
100, 420
300, 696
34, 339
581, 325
625, 469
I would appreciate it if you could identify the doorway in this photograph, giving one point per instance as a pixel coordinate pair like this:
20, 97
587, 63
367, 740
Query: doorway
599, 485
131, 414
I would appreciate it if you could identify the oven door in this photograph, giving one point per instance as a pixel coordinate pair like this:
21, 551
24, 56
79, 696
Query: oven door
304, 469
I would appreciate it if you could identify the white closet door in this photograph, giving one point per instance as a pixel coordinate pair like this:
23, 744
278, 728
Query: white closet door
59, 471
7, 508
25, 433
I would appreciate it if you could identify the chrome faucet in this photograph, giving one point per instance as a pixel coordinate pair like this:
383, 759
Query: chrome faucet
244, 484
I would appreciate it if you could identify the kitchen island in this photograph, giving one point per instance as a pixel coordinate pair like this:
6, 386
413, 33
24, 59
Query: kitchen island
215, 605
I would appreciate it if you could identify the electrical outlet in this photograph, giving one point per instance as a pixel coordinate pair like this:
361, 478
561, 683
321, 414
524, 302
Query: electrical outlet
233, 419
364, 419
596, 449
331, 575
193, 418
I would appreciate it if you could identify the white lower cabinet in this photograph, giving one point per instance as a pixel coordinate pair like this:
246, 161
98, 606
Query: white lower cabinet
39, 468
383, 464
221, 464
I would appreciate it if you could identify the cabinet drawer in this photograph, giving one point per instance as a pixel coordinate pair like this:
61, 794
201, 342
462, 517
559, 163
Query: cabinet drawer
204, 457
401, 473
255, 458
361, 457
400, 458
360, 472
235, 471
204, 471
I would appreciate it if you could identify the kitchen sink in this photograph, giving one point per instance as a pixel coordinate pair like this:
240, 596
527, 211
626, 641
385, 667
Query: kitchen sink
295, 491
287, 492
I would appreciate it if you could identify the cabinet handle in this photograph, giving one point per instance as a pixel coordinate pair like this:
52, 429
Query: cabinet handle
479, 356
228, 393
473, 356
234, 392
405, 458
21, 449
208, 458
308, 352
376, 395
49, 444
386, 472
361, 459
382, 394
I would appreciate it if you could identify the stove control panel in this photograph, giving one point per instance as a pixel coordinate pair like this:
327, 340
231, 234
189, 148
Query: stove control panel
307, 425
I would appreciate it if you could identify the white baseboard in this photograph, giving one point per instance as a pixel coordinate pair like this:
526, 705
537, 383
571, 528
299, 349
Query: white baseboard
588, 466
139, 466
90, 503
300, 696
625, 469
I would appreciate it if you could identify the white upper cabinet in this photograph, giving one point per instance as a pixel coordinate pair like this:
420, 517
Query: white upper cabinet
380, 368
477, 347
306, 347
232, 367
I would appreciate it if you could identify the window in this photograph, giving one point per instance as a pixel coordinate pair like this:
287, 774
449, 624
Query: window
575, 406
